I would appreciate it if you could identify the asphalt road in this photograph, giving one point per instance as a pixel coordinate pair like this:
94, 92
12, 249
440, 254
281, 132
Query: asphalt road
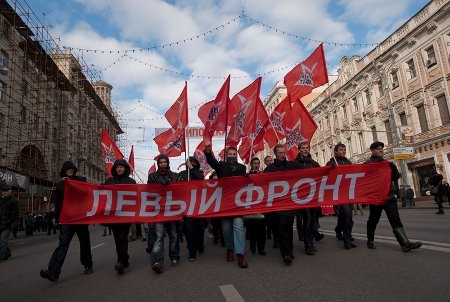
333, 274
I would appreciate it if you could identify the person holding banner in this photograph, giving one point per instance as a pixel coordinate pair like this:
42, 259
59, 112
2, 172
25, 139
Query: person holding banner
232, 227
120, 172
345, 218
284, 219
67, 231
195, 230
390, 207
164, 176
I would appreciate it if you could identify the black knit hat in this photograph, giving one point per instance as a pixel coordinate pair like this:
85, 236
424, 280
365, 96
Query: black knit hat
375, 145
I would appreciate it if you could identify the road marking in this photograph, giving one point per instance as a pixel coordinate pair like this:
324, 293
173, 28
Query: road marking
428, 245
230, 293
98, 245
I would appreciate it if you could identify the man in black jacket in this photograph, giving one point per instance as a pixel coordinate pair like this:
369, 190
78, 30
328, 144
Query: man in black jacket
345, 217
164, 176
67, 231
120, 172
390, 207
232, 227
9, 211
194, 227
284, 219
435, 181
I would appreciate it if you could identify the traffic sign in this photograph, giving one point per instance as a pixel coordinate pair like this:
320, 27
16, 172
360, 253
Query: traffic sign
404, 153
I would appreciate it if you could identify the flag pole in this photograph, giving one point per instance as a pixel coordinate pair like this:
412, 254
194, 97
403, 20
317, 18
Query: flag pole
186, 152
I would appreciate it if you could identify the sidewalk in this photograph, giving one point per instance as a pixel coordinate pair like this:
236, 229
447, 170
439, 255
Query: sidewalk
423, 203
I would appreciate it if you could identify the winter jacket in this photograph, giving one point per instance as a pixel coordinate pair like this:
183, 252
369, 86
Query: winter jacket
306, 162
123, 178
195, 173
9, 211
224, 169
436, 181
338, 161
162, 177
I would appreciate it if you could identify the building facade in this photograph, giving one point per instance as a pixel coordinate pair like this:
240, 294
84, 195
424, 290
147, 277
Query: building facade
49, 111
399, 94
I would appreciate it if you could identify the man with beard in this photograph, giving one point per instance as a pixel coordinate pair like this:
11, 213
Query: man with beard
194, 227
120, 172
157, 231
232, 227
390, 207
345, 222
284, 219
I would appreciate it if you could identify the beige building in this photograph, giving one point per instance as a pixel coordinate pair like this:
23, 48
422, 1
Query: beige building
49, 111
399, 94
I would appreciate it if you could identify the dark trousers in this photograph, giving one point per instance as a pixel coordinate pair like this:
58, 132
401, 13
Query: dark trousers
307, 216
120, 232
256, 230
65, 237
195, 234
345, 221
272, 225
391, 209
286, 234
217, 231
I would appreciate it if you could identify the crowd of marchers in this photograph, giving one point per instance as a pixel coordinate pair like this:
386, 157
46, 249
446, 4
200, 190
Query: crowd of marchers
232, 232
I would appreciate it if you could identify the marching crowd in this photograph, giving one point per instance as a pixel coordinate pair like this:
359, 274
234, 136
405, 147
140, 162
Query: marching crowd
232, 232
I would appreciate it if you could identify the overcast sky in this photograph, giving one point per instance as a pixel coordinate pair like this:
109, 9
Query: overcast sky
245, 39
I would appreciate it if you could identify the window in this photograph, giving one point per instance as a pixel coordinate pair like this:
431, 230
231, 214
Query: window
387, 126
380, 89
422, 118
2, 91
361, 142
349, 147
344, 110
2, 121
24, 88
411, 71
403, 120
443, 110
23, 114
395, 82
374, 134
4, 59
367, 94
355, 104
431, 57
6, 29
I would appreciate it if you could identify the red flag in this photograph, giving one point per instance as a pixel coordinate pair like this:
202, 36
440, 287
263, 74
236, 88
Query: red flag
242, 112
198, 153
307, 75
217, 117
171, 142
110, 151
278, 121
131, 160
177, 115
300, 128
152, 168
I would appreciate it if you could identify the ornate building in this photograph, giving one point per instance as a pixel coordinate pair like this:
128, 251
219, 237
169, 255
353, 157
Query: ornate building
399, 94
49, 111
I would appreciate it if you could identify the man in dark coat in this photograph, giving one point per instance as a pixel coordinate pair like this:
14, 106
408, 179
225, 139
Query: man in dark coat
390, 207
435, 181
194, 227
345, 217
67, 231
120, 172
9, 211
232, 227
284, 219
308, 219
157, 231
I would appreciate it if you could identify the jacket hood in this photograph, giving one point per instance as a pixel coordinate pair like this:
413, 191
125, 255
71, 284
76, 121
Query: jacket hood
68, 165
194, 162
163, 156
120, 162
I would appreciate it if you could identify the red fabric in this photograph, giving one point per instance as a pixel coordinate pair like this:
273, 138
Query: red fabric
198, 153
86, 203
242, 112
171, 142
300, 128
152, 168
307, 75
276, 126
110, 151
217, 117
131, 160
177, 115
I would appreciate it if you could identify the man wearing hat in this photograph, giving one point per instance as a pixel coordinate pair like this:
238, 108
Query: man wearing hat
9, 210
390, 207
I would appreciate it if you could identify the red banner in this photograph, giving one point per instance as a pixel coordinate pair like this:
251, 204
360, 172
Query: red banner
258, 193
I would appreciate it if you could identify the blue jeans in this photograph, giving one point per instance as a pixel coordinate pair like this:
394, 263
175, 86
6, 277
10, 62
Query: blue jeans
173, 229
234, 234
65, 237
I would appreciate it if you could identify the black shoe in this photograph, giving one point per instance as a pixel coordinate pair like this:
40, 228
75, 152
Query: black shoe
287, 260
371, 245
262, 253
310, 250
88, 270
46, 274
157, 268
347, 246
440, 212
253, 250
339, 235
319, 236
148, 250
119, 268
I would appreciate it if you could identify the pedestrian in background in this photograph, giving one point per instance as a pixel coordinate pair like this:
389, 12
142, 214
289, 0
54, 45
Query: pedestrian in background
9, 211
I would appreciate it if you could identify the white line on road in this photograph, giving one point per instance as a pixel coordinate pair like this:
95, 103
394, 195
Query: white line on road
230, 293
98, 245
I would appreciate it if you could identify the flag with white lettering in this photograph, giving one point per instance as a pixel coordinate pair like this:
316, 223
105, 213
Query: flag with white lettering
110, 151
